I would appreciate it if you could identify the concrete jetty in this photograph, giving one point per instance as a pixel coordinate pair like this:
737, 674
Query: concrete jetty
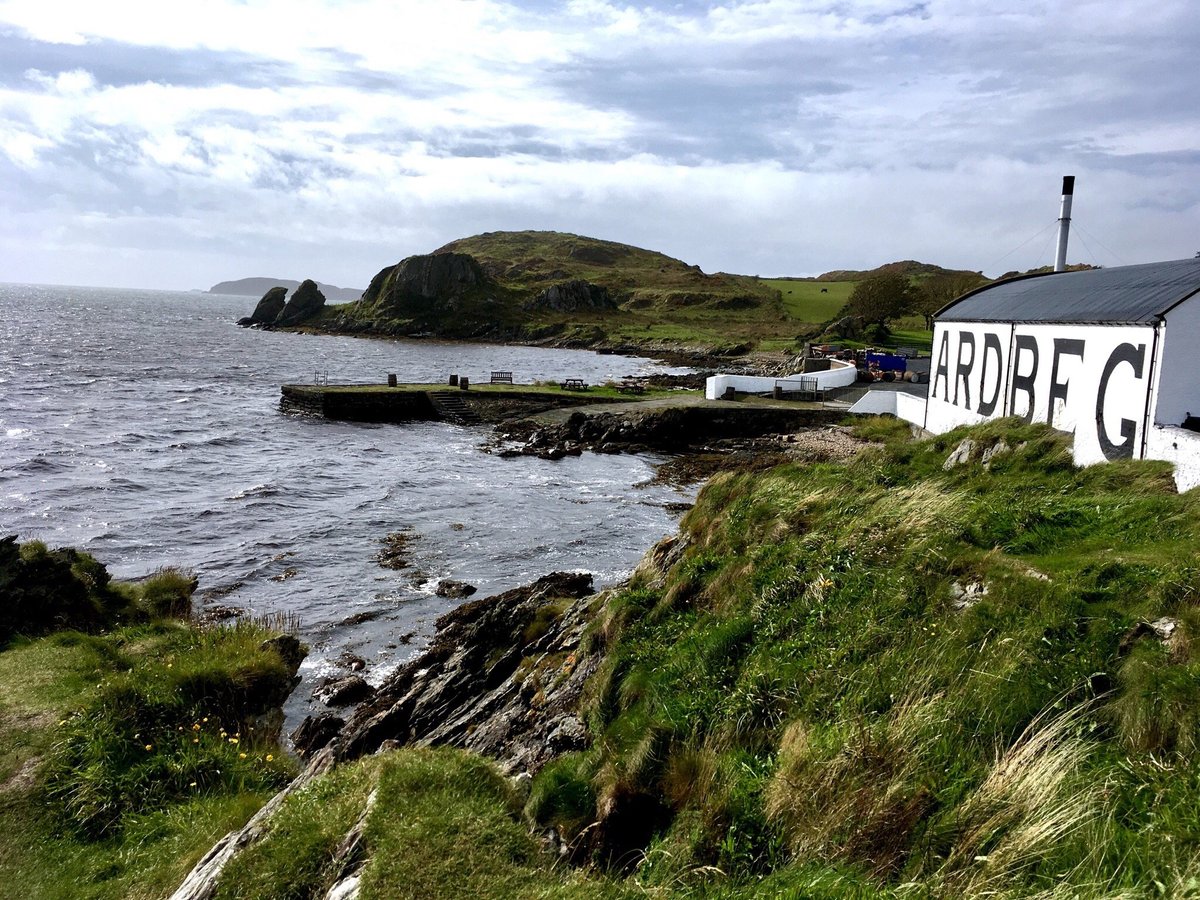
548, 406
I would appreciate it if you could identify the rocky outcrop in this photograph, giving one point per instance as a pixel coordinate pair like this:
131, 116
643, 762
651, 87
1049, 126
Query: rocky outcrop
306, 301
421, 284
571, 296
268, 308
345, 691
457, 590
502, 676
671, 430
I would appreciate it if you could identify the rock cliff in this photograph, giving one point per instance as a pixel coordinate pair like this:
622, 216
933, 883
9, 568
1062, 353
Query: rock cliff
503, 677
306, 301
571, 296
426, 285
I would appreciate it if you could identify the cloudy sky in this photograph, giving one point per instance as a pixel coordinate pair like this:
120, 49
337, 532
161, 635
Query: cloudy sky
173, 145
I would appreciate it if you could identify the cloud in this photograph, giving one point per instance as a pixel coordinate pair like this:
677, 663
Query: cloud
773, 136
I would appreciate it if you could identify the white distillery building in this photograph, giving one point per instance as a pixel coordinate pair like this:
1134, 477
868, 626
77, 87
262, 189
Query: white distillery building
1109, 355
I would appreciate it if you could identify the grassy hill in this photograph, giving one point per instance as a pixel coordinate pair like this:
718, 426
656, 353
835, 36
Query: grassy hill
502, 286
528, 261
908, 267
570, 290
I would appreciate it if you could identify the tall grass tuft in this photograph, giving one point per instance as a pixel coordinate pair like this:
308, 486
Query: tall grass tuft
1030, 803
859, 795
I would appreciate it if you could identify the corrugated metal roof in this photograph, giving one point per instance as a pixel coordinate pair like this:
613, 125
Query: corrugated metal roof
1126, 294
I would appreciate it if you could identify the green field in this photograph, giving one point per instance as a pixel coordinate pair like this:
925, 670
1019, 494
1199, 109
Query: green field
805, 302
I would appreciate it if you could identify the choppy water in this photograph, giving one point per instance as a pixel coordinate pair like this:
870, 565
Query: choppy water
144, 427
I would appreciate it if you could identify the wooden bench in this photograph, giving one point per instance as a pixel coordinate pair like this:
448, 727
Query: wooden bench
573, 384
501, 378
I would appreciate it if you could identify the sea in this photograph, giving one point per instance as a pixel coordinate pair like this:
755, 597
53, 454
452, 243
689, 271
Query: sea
144, 427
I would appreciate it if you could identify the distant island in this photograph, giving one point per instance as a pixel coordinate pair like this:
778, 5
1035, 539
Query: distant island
256, 287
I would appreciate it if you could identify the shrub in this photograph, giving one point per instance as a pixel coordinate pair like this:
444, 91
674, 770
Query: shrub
167, 594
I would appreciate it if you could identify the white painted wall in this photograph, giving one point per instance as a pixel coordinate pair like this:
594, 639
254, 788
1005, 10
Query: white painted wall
900, 404
839, 374
1179, 372
1090, 380
970, 362
1180, 447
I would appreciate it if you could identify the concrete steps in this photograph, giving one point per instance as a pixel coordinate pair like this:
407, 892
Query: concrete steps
451, 407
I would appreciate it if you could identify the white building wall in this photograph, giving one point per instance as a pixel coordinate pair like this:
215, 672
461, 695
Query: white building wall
1090, 380
1179, 368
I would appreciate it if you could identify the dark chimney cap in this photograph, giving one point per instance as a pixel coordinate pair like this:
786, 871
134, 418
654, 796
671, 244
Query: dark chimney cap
1068, 185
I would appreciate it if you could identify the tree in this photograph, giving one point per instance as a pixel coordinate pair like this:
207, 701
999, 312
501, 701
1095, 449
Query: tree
939, 290
881, 297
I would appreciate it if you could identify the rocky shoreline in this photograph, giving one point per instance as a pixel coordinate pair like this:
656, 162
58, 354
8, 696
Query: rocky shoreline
699, 441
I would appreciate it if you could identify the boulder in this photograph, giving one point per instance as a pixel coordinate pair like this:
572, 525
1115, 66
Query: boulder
456, 590
306, 301
315, 732
959, 455
344, 691
268, 308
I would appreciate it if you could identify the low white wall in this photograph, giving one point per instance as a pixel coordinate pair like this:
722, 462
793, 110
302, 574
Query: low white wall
876, 403
839, 374
1178, 446
900, 404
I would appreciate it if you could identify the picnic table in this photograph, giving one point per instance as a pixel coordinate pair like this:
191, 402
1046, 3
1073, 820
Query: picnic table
573, 384
629, 387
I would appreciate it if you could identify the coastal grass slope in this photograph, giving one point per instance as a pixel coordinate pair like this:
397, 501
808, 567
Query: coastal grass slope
953, 667
965, 681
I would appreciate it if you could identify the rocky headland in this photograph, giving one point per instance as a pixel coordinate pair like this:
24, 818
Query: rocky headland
552, 289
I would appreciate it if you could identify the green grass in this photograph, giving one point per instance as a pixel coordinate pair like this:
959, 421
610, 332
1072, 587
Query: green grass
812, 301
115, 776
803, 689
806, 707
877, 678
442, 824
